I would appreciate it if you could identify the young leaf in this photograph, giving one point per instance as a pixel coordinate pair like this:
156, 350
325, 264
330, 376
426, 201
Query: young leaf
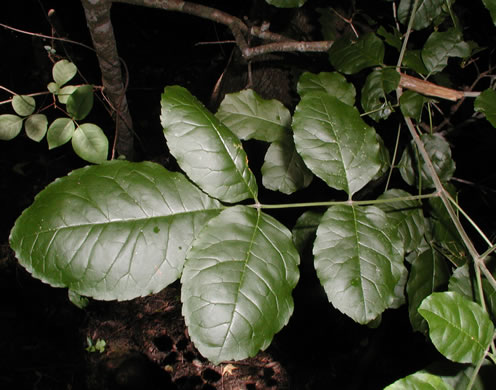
411, 104
460, 329
486, 103
10, 126
334, 84
60, 132
36, 126
419, 381
439, 152
429, 273
80, 102
350, 57
118, 230
442, 45
286, 3
23, 105
63, 71
427, 12
210, 154
283, 169
335, 143
237, 283
248, 116
359, 261
90, 143
374, 93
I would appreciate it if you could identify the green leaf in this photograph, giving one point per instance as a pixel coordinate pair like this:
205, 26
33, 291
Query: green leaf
249, 116
374, 93
419, 381
429, 273
439, 152
283, 169
237, 283
60, 132
442, 45
36, 126
90, 143
118, 230
413, 60
23, 105
458, 376
10, 126
406, 216
305, 228
460, 329
286, 3
64, 93
384, 158
53, 87
210, 154
335, 143
462, 282
63, 71
486, 103
80, 102
427, 12
77, 300
491, 6
359, 261
334, 84
411, 104
350, 57
392, 39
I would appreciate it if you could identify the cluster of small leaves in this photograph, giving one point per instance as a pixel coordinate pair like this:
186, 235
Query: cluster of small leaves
88, 140
122, 230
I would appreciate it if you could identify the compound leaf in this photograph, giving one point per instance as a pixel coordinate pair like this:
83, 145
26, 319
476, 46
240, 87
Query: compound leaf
60, 132
63, 71
36, 126
419, 381
349, 56
210, 154
283, 169
237, 283
90, 143
442, 45
359, 261
118, 230
248, 116
334, 84
378, 85
10, 126
23, 105
335, 143
486, 103
80, 102
460, 329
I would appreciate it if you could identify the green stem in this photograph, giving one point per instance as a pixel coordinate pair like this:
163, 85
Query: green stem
473, 377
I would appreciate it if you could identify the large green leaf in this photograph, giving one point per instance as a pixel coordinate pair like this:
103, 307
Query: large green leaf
237, 283
249, 116
439, 152
486, 103
442, 45
379, 84
406, 216
429, 273
427, 12
335, 143
359, 261
334, 84
23, 105
351, 56
491, 6
118, 230
10, 126
90, 143
460, 329
419, 381
283, 169
210, 154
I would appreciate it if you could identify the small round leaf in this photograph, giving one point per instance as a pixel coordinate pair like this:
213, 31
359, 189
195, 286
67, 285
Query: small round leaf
10, 126
36, 126
64, 93
60, 132
80, 102
63, 71
90, 143
23, 105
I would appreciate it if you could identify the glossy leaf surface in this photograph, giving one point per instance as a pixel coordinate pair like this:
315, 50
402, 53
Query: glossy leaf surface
460, 329
249, 116
113, 231
36, 126
411, 104
419, 381
427, 12
283, 169
334, 84
210, 154
350, 57
90, 143
60, 132
23, 105
359, 261
486, 103
237, 284
63, 71
10, 126
375, 100
335, 143
442, 45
